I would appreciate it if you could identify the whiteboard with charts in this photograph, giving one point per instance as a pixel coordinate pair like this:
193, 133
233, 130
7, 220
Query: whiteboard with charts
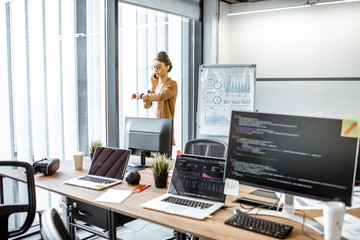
223, 88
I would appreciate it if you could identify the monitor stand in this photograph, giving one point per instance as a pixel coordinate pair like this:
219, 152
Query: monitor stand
288, 213
143, 163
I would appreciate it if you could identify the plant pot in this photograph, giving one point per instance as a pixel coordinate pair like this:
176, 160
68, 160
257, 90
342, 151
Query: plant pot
91, 155
161, 181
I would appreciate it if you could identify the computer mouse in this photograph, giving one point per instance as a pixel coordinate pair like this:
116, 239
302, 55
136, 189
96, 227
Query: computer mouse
132, 177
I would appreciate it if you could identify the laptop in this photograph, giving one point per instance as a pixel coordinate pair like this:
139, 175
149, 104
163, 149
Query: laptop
196, 188
107, 169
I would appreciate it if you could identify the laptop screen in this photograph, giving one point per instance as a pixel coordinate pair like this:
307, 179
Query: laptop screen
198, 176
110, 162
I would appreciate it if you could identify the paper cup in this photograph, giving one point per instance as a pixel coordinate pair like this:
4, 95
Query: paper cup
78, 160
333, 219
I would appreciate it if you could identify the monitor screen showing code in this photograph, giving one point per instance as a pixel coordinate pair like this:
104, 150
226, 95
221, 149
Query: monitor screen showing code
303, 156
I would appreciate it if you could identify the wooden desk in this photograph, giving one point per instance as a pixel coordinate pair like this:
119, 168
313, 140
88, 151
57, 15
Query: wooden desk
211, 228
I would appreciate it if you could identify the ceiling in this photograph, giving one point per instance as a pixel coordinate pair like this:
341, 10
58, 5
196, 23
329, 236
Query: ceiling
241, 1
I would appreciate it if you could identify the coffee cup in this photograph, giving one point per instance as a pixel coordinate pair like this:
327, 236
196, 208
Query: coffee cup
78, 160
333, 212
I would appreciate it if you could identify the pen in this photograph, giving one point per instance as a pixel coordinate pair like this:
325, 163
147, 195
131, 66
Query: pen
142, 189
350, 128
138, 187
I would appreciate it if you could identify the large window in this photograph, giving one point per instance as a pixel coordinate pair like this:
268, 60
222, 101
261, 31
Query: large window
53, 74
142, 34
52, 68
52, 80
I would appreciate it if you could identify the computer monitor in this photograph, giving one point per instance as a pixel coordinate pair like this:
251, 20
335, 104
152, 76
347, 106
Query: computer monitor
146, 136
301, 156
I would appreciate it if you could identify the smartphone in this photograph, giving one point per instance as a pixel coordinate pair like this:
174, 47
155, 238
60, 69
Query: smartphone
155, 76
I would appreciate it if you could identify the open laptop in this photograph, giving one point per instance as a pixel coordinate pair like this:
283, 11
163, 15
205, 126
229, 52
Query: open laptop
196, 188
107, 168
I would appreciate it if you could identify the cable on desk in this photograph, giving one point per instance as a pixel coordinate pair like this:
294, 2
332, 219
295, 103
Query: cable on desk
277, 202
231, 206
303, 223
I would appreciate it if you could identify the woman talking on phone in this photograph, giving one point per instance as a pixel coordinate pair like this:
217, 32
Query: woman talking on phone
163, 89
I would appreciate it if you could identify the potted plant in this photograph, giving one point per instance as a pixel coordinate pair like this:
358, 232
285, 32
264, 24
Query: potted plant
93, 146
160, 169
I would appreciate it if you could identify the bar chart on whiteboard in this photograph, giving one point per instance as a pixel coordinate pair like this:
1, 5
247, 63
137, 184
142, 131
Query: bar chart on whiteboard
223, 88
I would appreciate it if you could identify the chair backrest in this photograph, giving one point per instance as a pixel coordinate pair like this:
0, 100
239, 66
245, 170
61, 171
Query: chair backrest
16, 173
51, 226
206, 147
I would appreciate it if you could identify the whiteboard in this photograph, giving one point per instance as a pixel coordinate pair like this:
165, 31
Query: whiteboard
223, 88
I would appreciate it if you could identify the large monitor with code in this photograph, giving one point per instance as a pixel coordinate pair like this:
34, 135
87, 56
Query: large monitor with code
295, 155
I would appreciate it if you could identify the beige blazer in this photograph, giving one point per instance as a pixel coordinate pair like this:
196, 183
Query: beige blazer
166, 99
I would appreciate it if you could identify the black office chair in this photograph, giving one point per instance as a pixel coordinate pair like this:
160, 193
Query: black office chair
206, 147
25, 174
51, 226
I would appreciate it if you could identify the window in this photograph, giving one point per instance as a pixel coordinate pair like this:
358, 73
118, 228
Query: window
52, 76
142, 34
52, 66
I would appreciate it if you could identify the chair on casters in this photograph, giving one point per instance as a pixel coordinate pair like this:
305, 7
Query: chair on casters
206, 147
51, 226
26, 174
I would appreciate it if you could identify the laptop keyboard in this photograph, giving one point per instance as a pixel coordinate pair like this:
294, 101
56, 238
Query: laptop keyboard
97, 180
187, 202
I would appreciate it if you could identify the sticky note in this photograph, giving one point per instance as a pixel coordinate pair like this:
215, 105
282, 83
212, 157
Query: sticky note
350, 128
231, 187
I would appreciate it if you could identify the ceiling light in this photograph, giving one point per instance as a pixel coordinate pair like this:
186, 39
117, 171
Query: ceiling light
306, 4
335, 2
269, 10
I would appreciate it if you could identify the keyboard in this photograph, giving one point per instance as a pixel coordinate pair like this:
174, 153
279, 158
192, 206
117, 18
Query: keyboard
187, 202
270, 228
96, 180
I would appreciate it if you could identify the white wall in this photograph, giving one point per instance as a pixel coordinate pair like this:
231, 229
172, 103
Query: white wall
209, 32
314, 42
224, 28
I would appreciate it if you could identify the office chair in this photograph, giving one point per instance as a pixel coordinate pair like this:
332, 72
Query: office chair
206, 147
51, 226
6, 210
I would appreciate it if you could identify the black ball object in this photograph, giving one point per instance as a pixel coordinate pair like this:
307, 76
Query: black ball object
133, 177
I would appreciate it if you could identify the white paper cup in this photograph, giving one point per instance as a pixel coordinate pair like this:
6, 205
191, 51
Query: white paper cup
333, 219
78, 160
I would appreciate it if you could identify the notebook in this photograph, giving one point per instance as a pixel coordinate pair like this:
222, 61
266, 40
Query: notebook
107, 169
196, 188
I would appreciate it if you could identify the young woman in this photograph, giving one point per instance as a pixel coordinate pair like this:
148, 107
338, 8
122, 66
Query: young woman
164, 92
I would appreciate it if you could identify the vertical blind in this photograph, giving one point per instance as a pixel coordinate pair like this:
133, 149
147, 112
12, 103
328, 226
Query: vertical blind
39, 65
